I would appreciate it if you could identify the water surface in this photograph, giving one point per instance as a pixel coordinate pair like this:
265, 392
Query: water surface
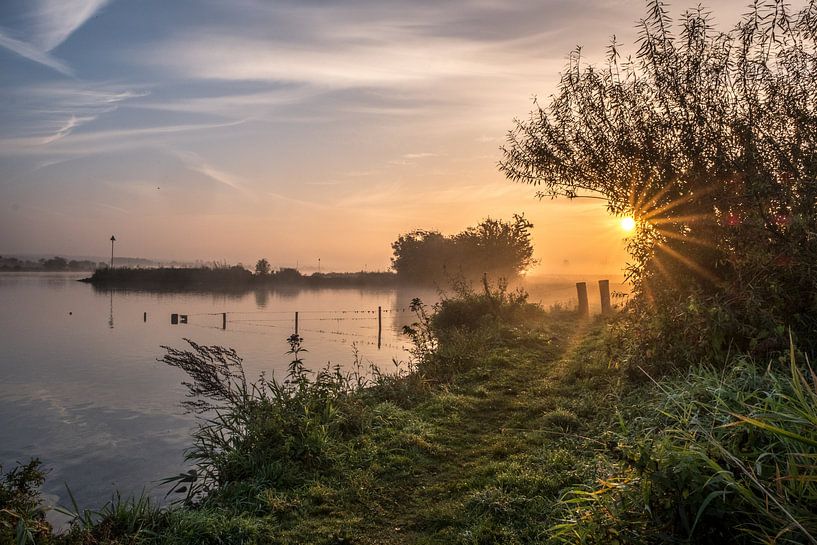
81, 388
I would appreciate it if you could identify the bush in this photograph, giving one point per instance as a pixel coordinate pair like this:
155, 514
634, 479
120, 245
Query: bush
451, 337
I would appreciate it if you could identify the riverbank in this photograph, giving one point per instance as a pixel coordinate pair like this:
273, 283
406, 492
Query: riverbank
515, 426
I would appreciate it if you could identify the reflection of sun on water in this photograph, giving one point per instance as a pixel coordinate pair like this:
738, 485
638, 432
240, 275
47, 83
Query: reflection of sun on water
627, 224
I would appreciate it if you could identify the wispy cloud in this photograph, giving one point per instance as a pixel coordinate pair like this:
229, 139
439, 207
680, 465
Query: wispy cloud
66, 129
53, 21
101, 140
45, 114
196, 163
33, 54
336, 64
50, 23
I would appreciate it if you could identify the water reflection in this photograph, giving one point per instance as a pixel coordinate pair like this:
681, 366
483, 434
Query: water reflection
110, 315
85, 393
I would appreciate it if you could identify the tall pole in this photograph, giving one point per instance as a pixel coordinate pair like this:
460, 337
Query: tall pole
113, 239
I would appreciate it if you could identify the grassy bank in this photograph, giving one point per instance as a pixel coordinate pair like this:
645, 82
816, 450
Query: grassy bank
514, 426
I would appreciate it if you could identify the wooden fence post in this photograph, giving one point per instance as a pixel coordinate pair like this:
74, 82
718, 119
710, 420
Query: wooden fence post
604, 293
296, 322
379, 326
223, 320
584, 307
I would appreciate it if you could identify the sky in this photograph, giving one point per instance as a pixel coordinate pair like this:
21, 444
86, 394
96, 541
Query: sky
292, 130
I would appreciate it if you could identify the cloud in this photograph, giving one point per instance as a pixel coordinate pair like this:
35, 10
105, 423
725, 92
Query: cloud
194, 162
102, 140
55, 20
50, 23
45, 114
66, 129
34, 54
333, 65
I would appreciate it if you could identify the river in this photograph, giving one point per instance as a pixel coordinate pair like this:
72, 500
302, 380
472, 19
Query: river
82, 389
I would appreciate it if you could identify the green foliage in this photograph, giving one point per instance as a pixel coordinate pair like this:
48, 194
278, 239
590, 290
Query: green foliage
22, 516
726, 456
496, 247
261, 435
707, 139
490, 307
451, 338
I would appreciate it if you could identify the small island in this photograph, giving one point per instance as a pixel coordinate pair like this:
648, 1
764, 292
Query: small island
494, 247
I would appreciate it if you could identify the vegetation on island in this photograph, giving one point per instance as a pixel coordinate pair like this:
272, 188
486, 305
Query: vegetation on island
688, 416
229, 278
52, 264
495, 247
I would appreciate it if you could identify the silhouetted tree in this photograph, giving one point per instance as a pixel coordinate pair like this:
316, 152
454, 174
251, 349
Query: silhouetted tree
494, 246
709, 140
421, 254
262, 267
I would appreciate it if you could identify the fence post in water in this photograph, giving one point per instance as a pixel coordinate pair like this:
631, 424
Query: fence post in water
604, 292
584, 307
296, 322
379, 326
145, 317
223, 320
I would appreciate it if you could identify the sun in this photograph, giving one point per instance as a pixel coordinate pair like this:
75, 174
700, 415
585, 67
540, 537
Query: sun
627, 224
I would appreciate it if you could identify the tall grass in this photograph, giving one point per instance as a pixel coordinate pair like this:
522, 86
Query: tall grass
265, 434
727, 456
22, 514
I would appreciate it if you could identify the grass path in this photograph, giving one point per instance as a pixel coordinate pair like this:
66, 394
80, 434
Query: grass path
504, 440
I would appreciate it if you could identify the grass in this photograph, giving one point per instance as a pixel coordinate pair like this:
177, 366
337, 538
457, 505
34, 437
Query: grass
516, 428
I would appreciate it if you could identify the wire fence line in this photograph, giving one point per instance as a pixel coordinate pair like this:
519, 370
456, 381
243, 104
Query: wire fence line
358, 324
332, 336
336, 311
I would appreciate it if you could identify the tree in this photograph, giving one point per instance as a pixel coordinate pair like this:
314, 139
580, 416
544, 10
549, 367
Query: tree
709, 140
421, 255
495, 247
262, 267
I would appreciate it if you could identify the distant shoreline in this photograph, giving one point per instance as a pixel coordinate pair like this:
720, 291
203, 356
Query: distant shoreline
230, 279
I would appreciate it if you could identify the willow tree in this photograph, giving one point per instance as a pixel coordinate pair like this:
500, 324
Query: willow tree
709, 140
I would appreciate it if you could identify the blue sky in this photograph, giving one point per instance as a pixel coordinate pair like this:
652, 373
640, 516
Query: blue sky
291, 130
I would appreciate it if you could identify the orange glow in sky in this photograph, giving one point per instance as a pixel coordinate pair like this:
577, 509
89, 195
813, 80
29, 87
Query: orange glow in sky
292, 131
